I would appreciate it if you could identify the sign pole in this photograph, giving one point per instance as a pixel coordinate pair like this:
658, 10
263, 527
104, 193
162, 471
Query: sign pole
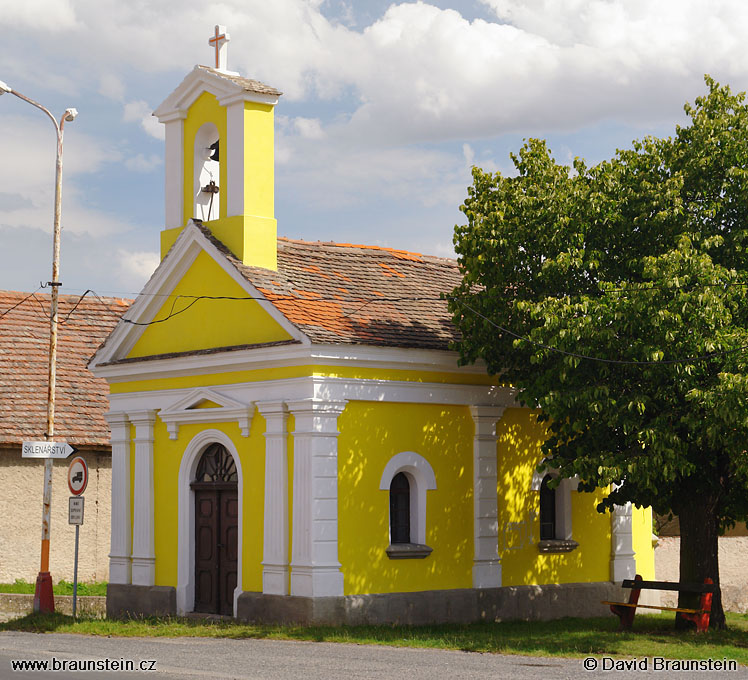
75, 572
77, 482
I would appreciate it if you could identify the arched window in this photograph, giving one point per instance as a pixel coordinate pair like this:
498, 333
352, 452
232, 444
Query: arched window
400, 509
407, 476
554, 512
547, 510
207, 172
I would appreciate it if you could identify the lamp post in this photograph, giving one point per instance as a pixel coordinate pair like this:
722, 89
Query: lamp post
43, 597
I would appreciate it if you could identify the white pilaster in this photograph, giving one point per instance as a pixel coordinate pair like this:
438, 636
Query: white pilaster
234, 155
315, 570
622, 562
120, 544
174, 168
275, 545
143, 551
486, 562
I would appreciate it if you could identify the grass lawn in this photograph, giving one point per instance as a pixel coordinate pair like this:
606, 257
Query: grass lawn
61, 588
653, 635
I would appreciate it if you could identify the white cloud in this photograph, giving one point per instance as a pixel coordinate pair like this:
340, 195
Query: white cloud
111, 87
423, 73
141, 163
29, 173
49, 15
310, 128
139, 111
134, 268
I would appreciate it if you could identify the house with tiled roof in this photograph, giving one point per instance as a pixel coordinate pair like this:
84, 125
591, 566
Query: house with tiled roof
293, 438
81, 402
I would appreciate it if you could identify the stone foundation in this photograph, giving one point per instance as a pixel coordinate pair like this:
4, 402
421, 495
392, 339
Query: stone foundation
128, 601
528, 603
436, 606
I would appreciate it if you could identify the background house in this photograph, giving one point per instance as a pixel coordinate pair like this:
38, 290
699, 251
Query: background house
79, 419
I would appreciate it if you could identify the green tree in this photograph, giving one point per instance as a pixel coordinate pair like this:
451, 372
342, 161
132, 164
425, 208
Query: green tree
614, 298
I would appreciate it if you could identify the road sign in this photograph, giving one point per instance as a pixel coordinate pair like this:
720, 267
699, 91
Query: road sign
75, 510
47, 450
77, 476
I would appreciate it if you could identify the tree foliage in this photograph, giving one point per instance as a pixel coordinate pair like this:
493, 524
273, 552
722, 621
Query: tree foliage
614, 298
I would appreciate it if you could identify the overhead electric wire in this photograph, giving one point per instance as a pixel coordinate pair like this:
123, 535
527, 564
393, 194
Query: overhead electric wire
196, 298
18, 304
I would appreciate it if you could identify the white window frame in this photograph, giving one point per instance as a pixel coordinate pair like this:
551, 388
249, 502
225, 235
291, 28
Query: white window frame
563, 501
421, 477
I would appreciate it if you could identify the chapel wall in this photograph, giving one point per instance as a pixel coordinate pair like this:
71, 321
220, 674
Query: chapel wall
371, 433
520, 437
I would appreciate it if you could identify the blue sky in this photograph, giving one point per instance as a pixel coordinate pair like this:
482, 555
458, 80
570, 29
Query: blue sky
386, 107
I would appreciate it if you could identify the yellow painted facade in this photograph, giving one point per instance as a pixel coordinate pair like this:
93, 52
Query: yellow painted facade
371, 433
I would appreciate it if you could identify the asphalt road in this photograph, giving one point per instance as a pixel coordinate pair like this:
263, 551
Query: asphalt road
198, 658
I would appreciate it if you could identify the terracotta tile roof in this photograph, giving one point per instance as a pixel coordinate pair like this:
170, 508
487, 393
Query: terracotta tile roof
355, 294
245, 83
81, 399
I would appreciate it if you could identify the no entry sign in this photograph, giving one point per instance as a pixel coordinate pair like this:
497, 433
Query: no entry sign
77, 476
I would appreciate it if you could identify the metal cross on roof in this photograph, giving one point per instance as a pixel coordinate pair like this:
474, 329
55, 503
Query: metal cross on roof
218, 41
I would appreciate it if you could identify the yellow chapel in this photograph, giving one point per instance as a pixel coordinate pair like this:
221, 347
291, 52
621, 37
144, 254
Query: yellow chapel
292, 436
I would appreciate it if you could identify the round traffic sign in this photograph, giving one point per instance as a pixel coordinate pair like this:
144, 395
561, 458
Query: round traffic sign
77, 476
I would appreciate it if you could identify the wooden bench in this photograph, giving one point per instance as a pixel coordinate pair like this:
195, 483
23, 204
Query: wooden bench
626, 610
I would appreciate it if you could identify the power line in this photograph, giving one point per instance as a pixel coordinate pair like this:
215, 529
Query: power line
18, 304
196, 298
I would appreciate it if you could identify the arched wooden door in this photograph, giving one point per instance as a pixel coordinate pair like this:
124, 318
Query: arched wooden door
216, 531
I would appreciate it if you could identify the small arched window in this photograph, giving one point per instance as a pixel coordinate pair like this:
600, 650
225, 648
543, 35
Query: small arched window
407, 476
400, 509
547, 510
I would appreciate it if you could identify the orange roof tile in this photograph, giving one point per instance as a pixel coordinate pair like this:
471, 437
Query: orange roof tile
400, 309
80, 398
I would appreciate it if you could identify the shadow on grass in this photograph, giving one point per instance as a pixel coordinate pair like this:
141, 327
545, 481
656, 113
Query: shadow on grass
653, 635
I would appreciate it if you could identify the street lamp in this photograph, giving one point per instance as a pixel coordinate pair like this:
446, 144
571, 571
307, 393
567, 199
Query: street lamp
43, 598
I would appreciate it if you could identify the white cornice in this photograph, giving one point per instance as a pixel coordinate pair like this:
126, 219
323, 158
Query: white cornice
198, 81
323, 388
283, 356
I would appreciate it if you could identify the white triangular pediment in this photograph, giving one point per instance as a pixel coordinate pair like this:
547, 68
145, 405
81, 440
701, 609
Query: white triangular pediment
189, 244
188, 410
200, 80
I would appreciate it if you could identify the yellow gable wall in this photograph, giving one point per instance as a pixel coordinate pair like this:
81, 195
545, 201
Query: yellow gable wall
207, 323
371, 433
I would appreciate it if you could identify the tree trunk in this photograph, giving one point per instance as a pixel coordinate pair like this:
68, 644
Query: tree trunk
699, 557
